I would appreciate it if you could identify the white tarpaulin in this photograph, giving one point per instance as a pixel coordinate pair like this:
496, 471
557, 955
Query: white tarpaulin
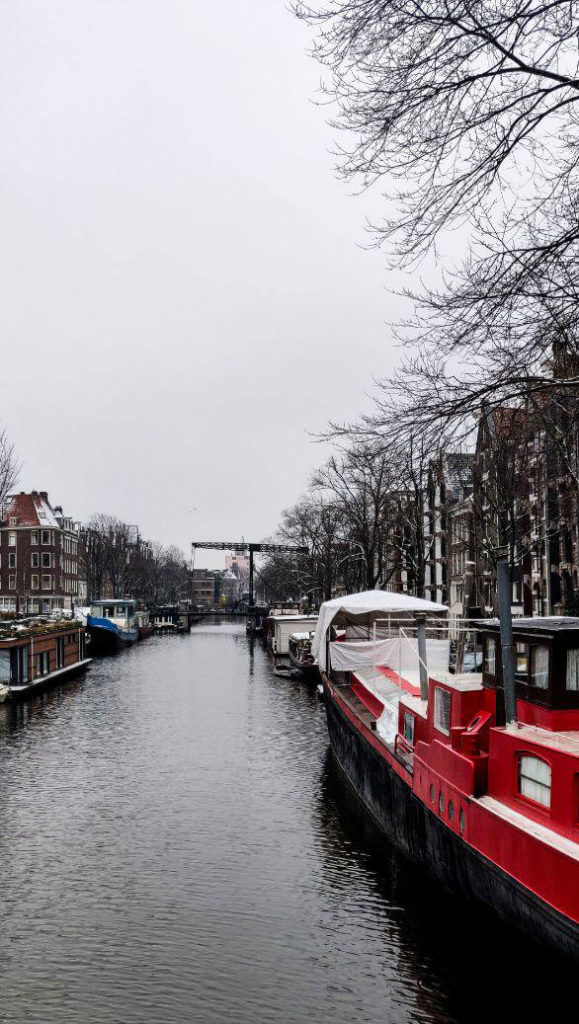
348, 655
365, 608
400, 654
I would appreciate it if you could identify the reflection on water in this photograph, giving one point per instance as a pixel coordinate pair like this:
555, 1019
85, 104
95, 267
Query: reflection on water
177, 845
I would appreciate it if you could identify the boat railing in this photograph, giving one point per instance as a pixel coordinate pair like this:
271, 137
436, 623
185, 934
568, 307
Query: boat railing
452, 645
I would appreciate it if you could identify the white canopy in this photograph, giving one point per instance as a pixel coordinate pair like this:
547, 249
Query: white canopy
373, 604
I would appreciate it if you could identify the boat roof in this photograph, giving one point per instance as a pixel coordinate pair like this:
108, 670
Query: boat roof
113, 600
540, 624
369, 604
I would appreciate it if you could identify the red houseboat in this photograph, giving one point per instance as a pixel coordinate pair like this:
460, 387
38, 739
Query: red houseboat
491, 810
37, 654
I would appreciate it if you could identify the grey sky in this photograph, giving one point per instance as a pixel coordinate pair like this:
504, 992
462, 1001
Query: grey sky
183, 290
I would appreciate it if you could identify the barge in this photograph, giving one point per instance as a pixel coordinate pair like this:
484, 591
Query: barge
36, 654
112, 624
491, 810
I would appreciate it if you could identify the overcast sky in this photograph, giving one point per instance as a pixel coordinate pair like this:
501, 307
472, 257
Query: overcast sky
184, 289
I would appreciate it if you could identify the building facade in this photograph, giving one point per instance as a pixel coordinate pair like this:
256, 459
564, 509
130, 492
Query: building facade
39, 556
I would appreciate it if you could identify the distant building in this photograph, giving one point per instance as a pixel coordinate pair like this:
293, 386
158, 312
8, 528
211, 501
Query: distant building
38, 556
203, 587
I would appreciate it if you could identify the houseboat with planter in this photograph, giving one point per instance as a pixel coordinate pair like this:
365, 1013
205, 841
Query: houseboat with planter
112, 624
489, 807
36, 654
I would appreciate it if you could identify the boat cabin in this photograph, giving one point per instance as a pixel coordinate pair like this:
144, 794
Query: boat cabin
546, 663
36, 653
119, 612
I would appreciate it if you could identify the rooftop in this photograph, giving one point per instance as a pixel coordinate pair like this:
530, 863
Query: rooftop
544, 624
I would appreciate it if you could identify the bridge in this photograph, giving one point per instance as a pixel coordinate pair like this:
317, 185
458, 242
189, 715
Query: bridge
245, 547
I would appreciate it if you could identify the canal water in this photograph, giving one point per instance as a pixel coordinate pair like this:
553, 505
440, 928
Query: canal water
177, 845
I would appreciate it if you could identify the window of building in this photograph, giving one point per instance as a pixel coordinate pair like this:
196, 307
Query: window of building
442, 700
5, 667
34, 537
19, 658
12, 538
34, 582
46, 560
46, 582
34, 559
540, 666
490, 657
409, 728
535, 779
12, 582
12, 560
13, 520
43, 663
45, 536
572, 679
522, 662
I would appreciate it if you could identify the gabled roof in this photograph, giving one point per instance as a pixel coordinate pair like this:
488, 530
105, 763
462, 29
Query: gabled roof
31, 509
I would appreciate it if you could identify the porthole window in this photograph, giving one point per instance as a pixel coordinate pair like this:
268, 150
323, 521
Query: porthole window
432, 794
462, 820
450, 810
440, 803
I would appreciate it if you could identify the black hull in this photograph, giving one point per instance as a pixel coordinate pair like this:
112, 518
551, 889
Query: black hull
105, 641
422, 837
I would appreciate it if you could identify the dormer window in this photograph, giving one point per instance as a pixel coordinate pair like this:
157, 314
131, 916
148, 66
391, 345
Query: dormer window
13, 520
535, 779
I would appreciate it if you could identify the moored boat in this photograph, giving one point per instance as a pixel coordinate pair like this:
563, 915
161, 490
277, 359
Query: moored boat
144, 624
300, 654
490, 809
112, 624
36, 654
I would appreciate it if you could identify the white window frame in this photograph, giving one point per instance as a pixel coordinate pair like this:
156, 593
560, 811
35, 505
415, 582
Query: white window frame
34, 560
46, 576
439, 701
34, 585
12, 538
572, 672
34, 536
12, 581
534, 779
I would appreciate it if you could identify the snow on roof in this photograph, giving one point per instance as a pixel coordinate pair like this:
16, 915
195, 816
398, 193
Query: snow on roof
31, 509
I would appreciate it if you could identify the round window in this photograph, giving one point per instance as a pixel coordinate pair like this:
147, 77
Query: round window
440, 803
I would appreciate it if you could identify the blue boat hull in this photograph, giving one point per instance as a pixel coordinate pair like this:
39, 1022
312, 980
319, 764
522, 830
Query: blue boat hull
106, 636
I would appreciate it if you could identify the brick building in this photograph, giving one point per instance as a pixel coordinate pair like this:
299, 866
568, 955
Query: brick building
38, 556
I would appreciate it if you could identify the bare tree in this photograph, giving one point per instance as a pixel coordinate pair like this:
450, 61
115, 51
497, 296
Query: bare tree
9, 467
466, 113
